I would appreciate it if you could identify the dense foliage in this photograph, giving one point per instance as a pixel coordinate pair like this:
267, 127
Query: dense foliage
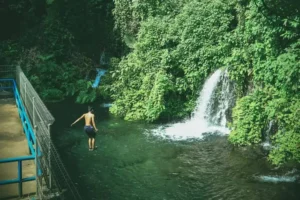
163, 52
174, 50
171, 57
58, 43
265, 64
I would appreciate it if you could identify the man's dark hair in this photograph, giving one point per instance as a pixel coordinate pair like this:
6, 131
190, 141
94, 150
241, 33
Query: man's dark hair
91, 109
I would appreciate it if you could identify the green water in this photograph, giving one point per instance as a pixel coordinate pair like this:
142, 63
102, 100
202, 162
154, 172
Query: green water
132, 164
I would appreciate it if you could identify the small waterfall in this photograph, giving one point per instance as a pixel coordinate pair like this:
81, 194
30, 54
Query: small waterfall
209, 115
267, 143
100, 73
224, 100
205, 96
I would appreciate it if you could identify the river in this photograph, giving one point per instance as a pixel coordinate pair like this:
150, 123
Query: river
132, 163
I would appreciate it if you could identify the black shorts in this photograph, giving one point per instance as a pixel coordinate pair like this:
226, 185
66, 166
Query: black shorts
90, 131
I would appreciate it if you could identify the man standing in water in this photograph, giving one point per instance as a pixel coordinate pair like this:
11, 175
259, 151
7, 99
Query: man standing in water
90, 127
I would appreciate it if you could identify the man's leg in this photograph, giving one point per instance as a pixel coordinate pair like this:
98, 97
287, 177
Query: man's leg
93, 143
90, 143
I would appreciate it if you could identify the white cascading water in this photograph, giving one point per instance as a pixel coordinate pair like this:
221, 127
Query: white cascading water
276, 179
225, 100
290, 176
202, 121
267, 143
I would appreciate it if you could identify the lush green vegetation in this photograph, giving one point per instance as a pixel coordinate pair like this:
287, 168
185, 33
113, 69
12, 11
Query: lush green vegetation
171, 57
162, 52
58, 43
174, 47
265, 64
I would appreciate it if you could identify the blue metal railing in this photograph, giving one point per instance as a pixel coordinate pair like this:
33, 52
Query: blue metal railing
20, 178
30, 136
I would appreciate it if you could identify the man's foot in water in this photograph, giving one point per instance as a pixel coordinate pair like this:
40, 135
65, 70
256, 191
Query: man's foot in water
92, 149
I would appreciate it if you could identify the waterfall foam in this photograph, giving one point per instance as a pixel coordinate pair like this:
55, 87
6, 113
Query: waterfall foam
276, 179
203, 119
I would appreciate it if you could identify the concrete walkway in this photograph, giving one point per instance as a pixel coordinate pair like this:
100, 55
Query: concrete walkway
13, 144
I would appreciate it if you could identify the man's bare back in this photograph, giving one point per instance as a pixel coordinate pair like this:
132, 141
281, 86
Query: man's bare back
90, 127
89, 119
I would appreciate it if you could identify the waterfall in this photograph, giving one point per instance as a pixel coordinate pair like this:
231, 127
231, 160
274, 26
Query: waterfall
267, 143
209, 116
100, 73
223, 101
200, 113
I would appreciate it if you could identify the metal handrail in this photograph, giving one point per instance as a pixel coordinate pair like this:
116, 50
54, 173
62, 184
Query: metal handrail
30, 139
20, 178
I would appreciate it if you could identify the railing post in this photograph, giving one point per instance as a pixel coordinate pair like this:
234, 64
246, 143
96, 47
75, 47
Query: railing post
28, 135
36, 161
24, 95
20, 178
33, 118
33, 115
49, 158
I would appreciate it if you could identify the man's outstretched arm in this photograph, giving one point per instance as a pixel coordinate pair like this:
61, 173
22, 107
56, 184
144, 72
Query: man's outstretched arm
77, 120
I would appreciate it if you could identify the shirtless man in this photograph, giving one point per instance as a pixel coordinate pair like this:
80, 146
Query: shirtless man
90, 127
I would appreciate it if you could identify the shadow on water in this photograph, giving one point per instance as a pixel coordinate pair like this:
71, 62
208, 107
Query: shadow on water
132, 164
